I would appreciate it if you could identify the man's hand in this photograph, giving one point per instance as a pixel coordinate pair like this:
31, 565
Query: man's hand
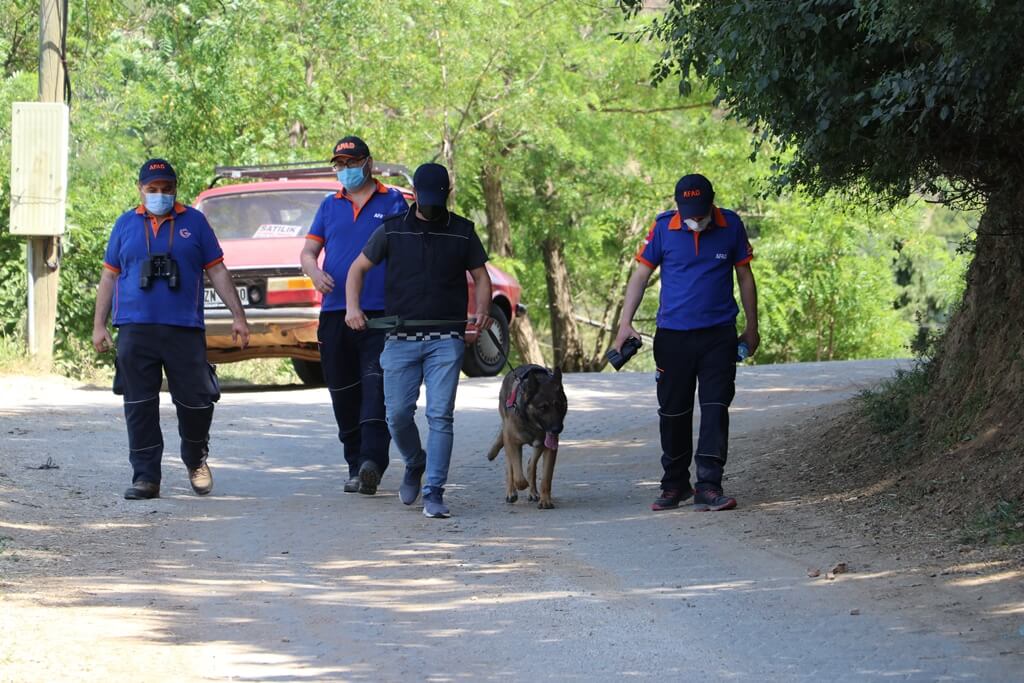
101, 339
752, 338
626, 331
355, 319
323, 282
477, 327
240, 330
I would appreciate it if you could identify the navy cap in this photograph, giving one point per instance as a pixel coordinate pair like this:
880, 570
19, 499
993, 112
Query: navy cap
157, 169
694, 196
432, 185
350, 146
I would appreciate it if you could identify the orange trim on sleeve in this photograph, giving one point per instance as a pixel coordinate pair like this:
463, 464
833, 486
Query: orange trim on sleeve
745, 261
214, 262
644, 261
315, 238
112, 269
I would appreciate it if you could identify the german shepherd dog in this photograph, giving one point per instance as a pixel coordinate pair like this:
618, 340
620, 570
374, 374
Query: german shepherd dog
532, 406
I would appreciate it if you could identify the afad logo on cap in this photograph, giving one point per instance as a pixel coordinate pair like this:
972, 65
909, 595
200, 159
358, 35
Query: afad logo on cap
691, 194
342, 146
157, 166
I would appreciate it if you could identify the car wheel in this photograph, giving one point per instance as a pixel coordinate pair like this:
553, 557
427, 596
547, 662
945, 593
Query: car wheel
309, 371
484, 359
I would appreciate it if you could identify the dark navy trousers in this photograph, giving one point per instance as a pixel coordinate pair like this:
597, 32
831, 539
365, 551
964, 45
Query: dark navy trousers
351, 365
144, 354
703, 360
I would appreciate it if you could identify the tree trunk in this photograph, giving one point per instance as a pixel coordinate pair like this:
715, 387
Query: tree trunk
499, 241
499, 231
977, 377
565, 333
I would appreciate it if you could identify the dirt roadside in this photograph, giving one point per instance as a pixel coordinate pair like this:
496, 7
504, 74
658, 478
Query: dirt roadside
76, 559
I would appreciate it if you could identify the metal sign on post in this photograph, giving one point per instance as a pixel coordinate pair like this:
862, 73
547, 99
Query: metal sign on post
39, 168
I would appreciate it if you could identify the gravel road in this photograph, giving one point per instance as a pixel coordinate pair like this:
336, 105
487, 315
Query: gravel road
278, 576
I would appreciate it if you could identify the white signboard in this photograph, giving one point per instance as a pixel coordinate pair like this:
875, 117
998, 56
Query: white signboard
39, 168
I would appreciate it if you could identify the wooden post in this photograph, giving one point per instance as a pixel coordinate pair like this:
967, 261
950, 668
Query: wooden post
43, 252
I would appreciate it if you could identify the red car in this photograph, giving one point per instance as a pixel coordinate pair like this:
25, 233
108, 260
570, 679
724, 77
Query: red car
261, 220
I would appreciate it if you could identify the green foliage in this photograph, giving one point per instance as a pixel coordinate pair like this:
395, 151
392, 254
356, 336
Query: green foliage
879, 97
1003, 524
588, 150
825, 284
889, 406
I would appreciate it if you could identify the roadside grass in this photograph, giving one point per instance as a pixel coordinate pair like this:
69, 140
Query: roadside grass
1003, 524
259, 371
888, 407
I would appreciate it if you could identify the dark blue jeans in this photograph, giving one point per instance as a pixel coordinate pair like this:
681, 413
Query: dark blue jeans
144, 353
702, 360
351, 365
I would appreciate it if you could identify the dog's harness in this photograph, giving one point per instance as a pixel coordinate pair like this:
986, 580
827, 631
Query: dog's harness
516, 399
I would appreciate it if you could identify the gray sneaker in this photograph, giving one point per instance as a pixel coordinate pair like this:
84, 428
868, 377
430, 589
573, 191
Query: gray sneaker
369, 478
409, 491
433, 506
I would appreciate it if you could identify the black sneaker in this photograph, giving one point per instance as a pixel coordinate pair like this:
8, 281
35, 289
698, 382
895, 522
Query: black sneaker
352, 485
369, 477
712, 500
671, 498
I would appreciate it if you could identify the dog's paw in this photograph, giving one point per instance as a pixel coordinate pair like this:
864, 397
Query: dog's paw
534, 498
545, 504
511, 499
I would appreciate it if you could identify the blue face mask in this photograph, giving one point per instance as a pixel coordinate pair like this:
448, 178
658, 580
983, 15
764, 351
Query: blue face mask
157, 203
352, 178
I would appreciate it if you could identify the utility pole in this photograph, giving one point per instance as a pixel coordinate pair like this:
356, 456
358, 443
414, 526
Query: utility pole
44, 251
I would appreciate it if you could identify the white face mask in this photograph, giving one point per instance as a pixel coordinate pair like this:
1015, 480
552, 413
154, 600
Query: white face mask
698, 226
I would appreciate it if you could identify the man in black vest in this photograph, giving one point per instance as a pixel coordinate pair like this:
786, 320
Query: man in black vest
428, 250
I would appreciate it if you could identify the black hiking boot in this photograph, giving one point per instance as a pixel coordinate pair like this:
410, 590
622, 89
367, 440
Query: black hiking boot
671, 498
712, 500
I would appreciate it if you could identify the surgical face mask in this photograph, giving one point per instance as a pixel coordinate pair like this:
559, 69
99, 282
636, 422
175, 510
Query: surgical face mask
352, 178
432, 212
698, 225
157, 203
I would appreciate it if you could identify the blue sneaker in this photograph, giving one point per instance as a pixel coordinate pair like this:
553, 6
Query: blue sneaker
409, 491
433, 506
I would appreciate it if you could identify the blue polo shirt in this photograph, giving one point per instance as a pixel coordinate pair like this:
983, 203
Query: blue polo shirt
696, 269
343, 230
194, 247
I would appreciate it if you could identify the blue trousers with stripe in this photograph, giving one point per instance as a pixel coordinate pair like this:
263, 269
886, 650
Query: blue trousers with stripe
144, 354
351, 365
703, 360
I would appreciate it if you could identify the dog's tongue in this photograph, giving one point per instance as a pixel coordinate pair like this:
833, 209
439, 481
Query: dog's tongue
551, 441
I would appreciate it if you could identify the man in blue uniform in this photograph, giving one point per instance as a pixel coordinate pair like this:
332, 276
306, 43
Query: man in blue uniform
697, 246
351, 358
153, 279
428, 250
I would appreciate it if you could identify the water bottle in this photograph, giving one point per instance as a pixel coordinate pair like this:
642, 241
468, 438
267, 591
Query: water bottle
742, 352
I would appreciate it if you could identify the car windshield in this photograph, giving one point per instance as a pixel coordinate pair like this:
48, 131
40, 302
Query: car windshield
263, 215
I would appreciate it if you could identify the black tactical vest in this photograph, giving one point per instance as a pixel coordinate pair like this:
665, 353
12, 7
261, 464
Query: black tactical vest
426, 270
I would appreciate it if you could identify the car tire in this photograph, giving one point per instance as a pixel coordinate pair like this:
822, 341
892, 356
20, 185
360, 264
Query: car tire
309, 371
483, 359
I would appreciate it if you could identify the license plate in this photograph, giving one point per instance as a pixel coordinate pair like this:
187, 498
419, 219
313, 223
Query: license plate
211, 300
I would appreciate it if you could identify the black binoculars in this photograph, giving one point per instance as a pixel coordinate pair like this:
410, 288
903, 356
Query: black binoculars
159, 266
629, 349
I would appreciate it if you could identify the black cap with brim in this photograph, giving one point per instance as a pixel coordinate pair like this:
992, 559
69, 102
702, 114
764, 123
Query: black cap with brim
350, 146
157, 169
694, 196
432, 185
